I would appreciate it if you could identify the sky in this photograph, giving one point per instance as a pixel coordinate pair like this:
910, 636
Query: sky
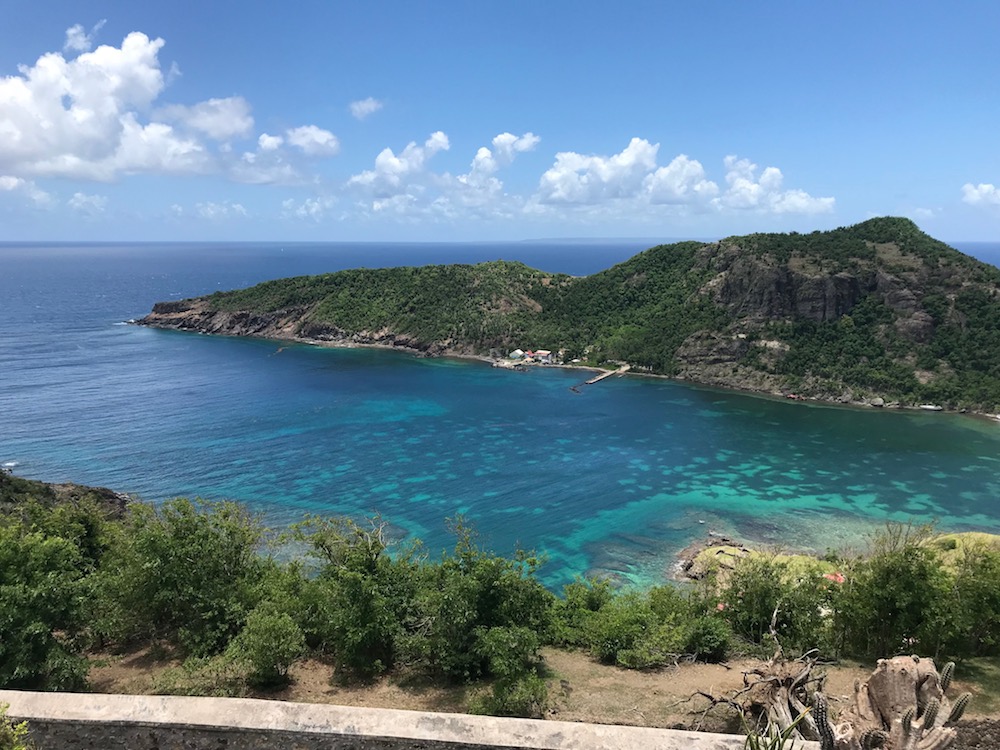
480, 120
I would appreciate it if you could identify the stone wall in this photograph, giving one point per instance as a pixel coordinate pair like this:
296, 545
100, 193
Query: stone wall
79, 721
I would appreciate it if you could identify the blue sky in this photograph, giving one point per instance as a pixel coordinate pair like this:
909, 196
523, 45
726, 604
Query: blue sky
478, 120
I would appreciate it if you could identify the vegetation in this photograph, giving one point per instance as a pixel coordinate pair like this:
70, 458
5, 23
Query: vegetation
12, 736
875, 309
197, 580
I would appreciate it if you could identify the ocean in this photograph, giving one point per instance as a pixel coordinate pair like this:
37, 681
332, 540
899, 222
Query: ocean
612, 481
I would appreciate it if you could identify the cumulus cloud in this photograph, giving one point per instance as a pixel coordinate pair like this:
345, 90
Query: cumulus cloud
90, 205
269, 142
313, 141
220, 211
11, 184
505, 147
393, 171
765, 193
95, 117
78, 40
582, 179
79, 118
220, 119
311, 208
683, 181
365, 107
631, 178
983, 194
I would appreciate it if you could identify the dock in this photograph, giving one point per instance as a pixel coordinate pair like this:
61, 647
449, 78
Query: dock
597, 379
620, 371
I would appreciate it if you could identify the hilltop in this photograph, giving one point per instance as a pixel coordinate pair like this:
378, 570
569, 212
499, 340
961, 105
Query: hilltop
877, 312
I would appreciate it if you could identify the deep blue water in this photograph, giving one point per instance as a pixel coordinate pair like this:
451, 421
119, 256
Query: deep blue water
614, 480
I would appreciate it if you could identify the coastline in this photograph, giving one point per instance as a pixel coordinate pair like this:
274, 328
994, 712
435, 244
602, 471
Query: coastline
438, 350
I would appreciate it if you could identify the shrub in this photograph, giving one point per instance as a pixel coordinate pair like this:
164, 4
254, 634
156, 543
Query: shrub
269, 642
895, 600
13, 736
619, 626
526, 696
708, 638
40, 601
187, 572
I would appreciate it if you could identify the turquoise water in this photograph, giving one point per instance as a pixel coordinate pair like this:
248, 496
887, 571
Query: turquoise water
614, 480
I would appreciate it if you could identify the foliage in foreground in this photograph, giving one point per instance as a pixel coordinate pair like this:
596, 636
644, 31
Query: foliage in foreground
194, 579
13, 736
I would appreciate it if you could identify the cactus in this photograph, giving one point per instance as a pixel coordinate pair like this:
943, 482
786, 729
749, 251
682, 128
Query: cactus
873, 738
958, 708
907, 721
821, 715
933, 706
946, 674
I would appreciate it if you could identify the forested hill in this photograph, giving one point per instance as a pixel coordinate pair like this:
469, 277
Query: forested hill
874, 310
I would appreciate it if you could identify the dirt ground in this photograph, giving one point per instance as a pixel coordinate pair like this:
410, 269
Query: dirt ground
580, 689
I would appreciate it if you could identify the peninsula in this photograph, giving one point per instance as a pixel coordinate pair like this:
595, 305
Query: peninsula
877, 312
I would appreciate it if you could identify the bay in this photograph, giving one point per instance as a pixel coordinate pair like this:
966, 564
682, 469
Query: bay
611, 481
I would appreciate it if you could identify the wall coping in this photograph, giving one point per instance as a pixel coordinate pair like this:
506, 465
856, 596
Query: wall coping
250, 714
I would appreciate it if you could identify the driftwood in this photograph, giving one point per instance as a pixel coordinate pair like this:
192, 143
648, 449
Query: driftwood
902, 706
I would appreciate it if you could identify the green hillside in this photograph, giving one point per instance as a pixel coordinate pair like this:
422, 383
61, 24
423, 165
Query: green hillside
878, 309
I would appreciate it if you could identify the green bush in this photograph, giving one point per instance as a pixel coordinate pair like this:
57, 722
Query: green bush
761, 589
13, 736
269, 642
708, 638
41, 591
619, 626
572, 613
525, 696
896, 599
974, 628
186, 571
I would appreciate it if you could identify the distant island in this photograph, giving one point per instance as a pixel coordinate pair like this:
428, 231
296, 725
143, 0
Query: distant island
877, 313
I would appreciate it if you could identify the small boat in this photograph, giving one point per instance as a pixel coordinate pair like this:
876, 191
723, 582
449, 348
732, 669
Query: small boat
931, 407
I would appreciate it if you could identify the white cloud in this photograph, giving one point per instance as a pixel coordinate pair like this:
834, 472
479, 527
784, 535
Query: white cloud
11, 184
983, 194
80, 118
91, 205
269, 142
505, 147
683, 181
313, 141
220, 119
311, 208
94, 117
220, 211
365, 107
748, 192
631, 181
581, 179
393, 171
78, 40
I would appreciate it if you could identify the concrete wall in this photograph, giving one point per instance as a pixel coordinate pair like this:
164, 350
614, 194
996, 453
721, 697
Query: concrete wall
75, 721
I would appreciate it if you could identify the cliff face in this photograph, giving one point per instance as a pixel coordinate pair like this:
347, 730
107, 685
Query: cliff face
877, 310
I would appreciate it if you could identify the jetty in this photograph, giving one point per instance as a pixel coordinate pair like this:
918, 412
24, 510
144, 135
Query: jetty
598, 378
620, 371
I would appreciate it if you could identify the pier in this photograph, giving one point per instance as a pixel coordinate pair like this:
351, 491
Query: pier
598, 378
620, 371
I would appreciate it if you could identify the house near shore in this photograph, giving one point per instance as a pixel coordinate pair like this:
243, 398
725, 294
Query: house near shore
516, 354
544, 356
